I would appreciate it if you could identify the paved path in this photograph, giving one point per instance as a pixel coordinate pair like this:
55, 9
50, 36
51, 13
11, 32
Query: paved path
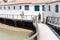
45, 33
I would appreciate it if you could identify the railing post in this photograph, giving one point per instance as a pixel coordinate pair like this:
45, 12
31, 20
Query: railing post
4, 20
15, 23
13, 16
7, 15
26, 16
37, 27
17, 16
31, 16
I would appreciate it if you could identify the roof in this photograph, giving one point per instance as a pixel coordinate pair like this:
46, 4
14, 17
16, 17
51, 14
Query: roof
36, 1
28, 1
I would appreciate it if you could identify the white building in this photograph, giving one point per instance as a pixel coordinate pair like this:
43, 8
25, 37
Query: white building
54, 9
11, 10
31, 7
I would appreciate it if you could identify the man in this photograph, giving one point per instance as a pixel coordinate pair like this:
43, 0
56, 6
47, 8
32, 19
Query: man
39, 17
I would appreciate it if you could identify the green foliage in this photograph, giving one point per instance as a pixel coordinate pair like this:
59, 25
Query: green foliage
5, 1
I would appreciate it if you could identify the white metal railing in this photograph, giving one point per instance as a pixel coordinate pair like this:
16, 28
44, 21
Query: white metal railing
36, 26
54, 20
18, 17
34, 18
32, 37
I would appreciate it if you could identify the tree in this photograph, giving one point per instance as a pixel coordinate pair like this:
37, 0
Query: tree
5, 1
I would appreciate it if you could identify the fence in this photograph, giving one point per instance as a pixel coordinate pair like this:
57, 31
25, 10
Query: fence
55, 21
18, 17
33, 37
34, 18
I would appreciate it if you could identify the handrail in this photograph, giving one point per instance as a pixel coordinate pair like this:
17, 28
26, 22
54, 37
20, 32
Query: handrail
33, 17
54, 20
33, 36
17, 15
36, 34
11, 16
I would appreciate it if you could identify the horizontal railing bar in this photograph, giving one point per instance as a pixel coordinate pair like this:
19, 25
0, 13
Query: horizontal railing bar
32, 37
18, 15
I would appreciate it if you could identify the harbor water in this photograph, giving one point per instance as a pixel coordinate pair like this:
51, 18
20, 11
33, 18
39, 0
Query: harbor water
12, 33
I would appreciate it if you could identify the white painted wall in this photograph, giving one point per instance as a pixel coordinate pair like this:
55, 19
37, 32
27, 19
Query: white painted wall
31, 11
52, 12
44, 13
18, 11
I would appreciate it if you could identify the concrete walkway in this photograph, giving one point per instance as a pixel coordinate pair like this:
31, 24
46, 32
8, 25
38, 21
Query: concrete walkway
45, 33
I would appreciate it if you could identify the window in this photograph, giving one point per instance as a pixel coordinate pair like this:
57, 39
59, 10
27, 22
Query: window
0, 8
14, 7
9, 7
36, 7
4, 7
43, 7
57, 19
49, 8
20, 7
56, 8
26, 7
